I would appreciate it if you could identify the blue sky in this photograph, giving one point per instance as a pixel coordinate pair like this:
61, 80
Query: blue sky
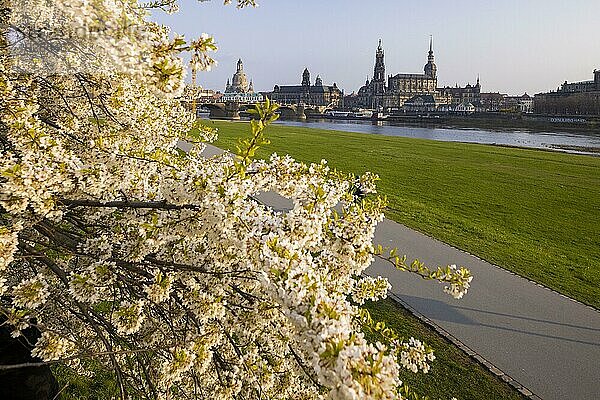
515, 45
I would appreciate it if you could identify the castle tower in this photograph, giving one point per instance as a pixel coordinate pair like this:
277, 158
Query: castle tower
306, 77
318, 81
597, 78
430, 67
379, 71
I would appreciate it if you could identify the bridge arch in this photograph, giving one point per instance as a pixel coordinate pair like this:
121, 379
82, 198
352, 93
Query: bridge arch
288, 111
222, 110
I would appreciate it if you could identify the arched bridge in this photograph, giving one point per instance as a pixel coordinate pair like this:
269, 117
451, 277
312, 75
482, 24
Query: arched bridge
232, 110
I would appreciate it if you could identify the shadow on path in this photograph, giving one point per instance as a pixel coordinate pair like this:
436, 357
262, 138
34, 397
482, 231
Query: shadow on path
440, 311
543, 321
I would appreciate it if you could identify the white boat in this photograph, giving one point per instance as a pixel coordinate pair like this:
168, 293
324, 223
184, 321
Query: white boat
338, 114
363, 114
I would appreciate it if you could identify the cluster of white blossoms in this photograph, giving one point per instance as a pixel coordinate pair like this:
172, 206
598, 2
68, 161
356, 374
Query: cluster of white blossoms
460, 281
8, 246
30, 293
160, 289
160, 265
369, 288
52, 347
128, 317
415, 356
91, 285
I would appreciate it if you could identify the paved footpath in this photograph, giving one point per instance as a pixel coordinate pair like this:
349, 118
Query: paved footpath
546, 342
543, 342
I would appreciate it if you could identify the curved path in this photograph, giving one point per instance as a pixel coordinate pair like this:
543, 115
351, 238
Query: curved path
546, 342
543, 343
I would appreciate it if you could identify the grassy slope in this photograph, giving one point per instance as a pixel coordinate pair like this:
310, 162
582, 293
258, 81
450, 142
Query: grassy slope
533, 212
453, 373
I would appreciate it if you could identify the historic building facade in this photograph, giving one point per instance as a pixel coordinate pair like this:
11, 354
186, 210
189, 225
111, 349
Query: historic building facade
582, 87
455, 96
521, 104
240, 89
399, 88
579, 98
403, 87
209, 96
492, 102
307, 93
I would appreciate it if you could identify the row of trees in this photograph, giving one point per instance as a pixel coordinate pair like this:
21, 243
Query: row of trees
127, 255
568, 104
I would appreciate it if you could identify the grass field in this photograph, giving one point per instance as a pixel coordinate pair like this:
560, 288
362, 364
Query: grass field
453, 373
533, 212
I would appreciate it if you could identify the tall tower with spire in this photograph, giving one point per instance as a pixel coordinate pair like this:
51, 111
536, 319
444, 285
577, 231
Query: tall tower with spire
379, 71
430, 67
306, 78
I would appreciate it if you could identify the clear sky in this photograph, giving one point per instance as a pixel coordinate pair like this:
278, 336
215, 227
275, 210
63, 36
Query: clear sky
515, 45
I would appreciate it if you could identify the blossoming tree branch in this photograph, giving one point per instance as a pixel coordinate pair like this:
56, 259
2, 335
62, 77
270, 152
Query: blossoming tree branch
128, 255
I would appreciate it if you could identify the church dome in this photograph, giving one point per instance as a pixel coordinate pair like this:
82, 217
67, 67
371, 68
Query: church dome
239, 83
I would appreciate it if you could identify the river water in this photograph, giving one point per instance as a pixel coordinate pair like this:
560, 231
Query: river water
572, 142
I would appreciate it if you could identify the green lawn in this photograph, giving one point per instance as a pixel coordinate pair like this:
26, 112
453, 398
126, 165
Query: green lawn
533, 212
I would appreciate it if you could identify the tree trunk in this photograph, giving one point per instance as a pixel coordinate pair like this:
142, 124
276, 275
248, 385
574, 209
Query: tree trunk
30, 383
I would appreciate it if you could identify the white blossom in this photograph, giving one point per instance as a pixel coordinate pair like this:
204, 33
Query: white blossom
51, 346
160, 289
369, 288
460, 283
414, 356
31, 293
129, 317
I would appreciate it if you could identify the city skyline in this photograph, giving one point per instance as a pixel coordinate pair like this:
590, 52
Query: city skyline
514, 47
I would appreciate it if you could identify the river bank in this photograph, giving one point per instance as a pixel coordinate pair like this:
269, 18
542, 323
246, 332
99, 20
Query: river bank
484, 121
500, 121
567, 142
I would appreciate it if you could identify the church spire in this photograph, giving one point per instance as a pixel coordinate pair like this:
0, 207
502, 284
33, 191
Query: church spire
306, 77
379, 70
431, 57
430, 67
